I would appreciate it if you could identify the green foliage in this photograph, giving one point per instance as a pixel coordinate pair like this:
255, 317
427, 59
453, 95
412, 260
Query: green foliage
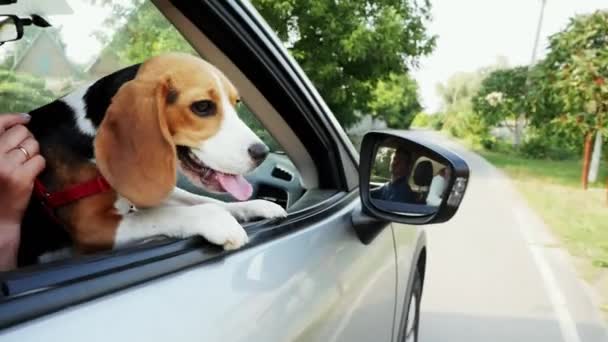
542, 147
463, 124
577, 66
421, 120
21, 92
336, 43
458, 90
146, 33
395, 100
543, 104
436, 121
458, 118
354, 50
432, 121
502, 96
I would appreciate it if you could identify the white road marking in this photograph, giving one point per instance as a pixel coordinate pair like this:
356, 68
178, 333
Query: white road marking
556, 297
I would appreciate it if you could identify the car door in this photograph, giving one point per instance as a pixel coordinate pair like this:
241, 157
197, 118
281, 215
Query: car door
317, 282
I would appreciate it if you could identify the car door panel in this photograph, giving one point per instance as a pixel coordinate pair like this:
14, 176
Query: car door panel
319, 283
410, 242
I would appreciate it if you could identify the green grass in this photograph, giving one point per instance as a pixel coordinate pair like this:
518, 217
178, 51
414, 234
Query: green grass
578, 217
557, 172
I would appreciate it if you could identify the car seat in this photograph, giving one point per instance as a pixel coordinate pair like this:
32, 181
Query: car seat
423, 176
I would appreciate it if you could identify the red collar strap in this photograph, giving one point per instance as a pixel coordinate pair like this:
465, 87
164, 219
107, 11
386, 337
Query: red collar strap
54, 200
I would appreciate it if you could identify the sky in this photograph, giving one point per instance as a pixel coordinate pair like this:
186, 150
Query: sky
80, 28
474, 33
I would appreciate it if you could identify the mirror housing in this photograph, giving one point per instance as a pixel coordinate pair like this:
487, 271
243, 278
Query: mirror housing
410, 213
11, 28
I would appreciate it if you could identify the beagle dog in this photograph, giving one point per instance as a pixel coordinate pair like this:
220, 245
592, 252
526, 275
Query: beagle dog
133, 130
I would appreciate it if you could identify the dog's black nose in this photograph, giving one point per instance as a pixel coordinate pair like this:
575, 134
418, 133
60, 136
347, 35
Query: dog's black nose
258, 152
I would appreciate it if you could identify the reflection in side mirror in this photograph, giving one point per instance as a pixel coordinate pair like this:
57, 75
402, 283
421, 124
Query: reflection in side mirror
10, 28
405, 182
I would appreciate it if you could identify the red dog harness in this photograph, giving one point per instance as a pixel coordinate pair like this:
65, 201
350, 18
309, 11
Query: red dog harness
54, 200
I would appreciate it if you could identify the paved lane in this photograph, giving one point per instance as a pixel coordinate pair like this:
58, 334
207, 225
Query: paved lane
495, 273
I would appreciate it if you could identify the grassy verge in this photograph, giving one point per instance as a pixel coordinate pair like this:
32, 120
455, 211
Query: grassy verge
579, 218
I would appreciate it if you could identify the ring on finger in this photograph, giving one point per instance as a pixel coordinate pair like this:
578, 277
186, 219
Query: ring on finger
27, 154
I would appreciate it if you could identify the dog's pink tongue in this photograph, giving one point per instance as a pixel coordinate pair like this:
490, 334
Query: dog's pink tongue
236, 185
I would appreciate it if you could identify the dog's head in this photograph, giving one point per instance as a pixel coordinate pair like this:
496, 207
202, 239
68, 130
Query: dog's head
179, 111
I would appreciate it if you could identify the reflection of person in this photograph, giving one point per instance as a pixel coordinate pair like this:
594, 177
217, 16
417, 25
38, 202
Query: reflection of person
20, 163
398, 189
438, 184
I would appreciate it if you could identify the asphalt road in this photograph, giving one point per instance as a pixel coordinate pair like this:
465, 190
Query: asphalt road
495, 273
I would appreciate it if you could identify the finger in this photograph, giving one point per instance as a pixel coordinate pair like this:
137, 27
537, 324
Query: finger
13, 136
18, 156
9, 120
32, 167
31, 146
14, 158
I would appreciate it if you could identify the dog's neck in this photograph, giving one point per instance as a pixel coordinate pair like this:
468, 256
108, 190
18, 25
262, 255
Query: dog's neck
65, 128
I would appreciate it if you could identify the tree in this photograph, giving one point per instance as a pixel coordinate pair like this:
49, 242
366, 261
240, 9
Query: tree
146, 33
20, 93
456, 94
395, 100
353, 51
350, 49
577, 63
459, 89
501, 99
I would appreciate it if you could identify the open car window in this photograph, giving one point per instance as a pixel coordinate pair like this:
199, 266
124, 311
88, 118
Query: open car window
49, 63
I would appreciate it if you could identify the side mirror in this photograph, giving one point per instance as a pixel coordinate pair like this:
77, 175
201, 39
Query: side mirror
11, 28
409, 181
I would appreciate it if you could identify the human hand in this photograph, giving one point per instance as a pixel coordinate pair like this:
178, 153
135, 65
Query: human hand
20, 163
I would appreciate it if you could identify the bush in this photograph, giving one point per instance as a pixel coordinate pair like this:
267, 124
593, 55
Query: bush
546, 147
465, 124
436, 122
432, 121
421, 120
488, 142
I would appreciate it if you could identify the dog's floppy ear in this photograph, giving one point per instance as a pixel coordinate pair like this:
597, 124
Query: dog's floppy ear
133, 146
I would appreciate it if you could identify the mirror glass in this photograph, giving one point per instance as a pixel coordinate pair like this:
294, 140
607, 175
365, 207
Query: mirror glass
8, 28
404, 180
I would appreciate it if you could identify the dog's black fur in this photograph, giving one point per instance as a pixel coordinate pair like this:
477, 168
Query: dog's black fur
54, 126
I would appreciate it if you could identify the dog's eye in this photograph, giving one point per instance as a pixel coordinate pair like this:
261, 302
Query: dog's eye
203, 108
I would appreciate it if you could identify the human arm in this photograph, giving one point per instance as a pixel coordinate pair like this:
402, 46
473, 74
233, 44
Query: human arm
435, 191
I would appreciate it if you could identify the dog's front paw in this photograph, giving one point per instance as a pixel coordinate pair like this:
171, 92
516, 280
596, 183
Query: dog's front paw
246, 211
221, 228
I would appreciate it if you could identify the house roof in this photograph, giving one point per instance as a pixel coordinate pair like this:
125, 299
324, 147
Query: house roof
54, 38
